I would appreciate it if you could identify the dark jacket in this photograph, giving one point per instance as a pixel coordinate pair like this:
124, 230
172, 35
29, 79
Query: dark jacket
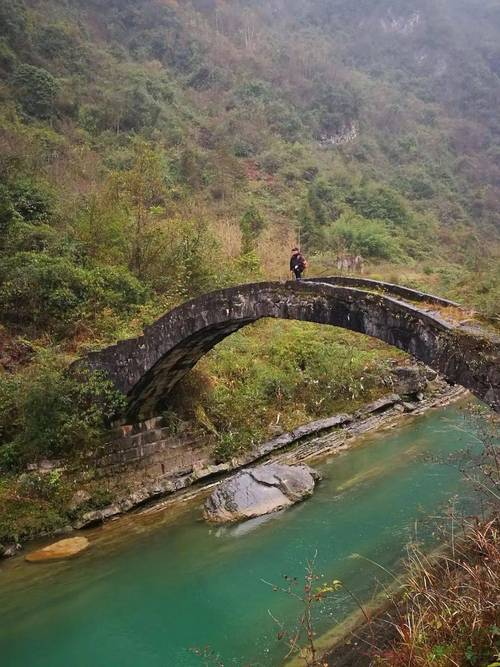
297, 262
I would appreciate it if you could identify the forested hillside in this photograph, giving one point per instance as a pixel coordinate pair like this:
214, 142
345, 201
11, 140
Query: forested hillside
182, 145
151, 150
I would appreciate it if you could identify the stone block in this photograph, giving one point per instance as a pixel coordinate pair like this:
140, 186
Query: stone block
130, 455
122, 444
409, 380
110, 511
379, 405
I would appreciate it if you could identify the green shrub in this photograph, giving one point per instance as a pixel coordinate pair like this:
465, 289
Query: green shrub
369, 238
7, 211
284, 121
247, 267
11, 457
36, 91
8, 58
26, 237
113, 287
251, 224
379, 203
12, 19
334, 107
47, 412
57, 42
195, 264
33, 201
62, 415
251, 92
243, 148
11, 387
40, 485
42, 292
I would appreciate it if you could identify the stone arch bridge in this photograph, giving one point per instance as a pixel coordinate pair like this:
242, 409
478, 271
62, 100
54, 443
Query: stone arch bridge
146, 369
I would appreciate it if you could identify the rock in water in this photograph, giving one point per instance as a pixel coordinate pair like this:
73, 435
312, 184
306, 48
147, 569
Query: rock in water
261, 490
59, 550
10, 550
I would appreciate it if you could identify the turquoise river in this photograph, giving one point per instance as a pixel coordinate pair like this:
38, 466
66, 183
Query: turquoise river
154, 586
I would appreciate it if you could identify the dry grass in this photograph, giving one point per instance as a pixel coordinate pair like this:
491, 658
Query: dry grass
274, 250
451, 612
456, 315
465, 316
229, 236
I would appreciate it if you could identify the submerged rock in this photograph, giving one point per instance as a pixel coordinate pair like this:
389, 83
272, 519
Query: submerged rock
261, 490
59, 550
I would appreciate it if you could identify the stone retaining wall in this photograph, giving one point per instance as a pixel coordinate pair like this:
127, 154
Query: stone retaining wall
152, 448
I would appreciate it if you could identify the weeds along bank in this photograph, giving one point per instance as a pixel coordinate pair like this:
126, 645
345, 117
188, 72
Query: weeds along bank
446, 612
449, 614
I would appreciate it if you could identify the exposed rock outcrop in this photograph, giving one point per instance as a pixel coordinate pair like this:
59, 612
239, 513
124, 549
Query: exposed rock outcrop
9, 550
261, 490
402, 25
79, 498
409, 380
98, 516
345, 135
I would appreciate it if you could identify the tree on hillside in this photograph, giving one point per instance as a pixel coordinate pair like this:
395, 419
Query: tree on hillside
251, 224
141, 192
36, 91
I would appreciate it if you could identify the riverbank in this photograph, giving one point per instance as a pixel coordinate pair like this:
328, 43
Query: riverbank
306, 443
129, 491
443, 607
451, 592
167, 581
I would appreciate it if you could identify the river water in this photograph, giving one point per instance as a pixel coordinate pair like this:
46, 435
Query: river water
152, 587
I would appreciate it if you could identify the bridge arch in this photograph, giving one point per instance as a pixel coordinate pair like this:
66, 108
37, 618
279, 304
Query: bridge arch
148, 368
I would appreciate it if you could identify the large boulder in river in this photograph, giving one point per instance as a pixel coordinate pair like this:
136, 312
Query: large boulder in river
261, 490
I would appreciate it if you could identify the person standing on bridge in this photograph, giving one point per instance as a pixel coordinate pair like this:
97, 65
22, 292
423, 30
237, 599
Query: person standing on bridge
298, 263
